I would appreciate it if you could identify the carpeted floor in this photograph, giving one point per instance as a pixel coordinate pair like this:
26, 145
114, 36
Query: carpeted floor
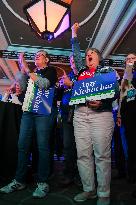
120, 192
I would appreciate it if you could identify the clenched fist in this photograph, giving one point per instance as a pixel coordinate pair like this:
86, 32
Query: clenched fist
74, 29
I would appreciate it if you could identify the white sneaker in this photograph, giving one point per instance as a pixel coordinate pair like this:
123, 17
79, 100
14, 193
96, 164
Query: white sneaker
41, 190
11, 187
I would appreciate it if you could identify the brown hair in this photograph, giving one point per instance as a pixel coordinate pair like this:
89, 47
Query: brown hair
124, 85
95, 50
132, 53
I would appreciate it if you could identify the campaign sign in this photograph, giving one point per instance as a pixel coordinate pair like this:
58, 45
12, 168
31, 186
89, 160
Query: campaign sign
99, 87
38, 100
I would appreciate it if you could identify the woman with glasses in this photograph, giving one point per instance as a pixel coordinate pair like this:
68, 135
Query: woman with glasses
127, 113
42, 78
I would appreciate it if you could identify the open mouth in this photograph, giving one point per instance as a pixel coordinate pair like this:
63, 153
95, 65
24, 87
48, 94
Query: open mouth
90, 58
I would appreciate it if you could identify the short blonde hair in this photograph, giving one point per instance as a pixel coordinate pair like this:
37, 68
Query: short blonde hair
45, 54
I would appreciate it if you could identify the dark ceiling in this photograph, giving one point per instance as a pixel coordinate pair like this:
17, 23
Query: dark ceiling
20, 33
127, 43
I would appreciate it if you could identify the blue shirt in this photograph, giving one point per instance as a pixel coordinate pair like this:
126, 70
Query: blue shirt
64, 106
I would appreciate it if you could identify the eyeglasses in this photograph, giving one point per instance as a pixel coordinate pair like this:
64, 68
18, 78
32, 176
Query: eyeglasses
39, 55
132, 58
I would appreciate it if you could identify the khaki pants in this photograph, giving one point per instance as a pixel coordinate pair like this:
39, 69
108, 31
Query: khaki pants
93, 133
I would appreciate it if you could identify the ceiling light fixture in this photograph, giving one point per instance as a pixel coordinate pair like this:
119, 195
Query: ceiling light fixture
49, 18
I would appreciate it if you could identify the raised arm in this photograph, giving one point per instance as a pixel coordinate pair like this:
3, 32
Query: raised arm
76, 48
39, 81
23, 64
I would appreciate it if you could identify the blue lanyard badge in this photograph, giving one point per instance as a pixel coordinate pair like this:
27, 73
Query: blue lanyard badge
131, 93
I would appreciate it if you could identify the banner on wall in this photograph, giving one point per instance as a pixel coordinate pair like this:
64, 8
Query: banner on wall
97, 88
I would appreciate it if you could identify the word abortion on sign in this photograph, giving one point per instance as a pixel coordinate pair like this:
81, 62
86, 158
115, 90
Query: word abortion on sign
38, 100
101, 86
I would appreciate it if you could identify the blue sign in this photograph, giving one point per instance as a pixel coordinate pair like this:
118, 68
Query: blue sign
101, 86
42, 101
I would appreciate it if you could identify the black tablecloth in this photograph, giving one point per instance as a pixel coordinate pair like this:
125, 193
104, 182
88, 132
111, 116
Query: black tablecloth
10, 116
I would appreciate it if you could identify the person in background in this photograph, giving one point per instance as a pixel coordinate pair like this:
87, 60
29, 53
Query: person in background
18, 86
118, 148
127, 113
93, 129
14, 94
70, 173
44, 77
0, 97
118, 141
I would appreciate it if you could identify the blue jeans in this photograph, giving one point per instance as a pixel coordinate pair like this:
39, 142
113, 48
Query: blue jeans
42, 125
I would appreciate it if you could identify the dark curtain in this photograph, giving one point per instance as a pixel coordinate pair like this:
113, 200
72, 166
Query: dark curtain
10, 116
